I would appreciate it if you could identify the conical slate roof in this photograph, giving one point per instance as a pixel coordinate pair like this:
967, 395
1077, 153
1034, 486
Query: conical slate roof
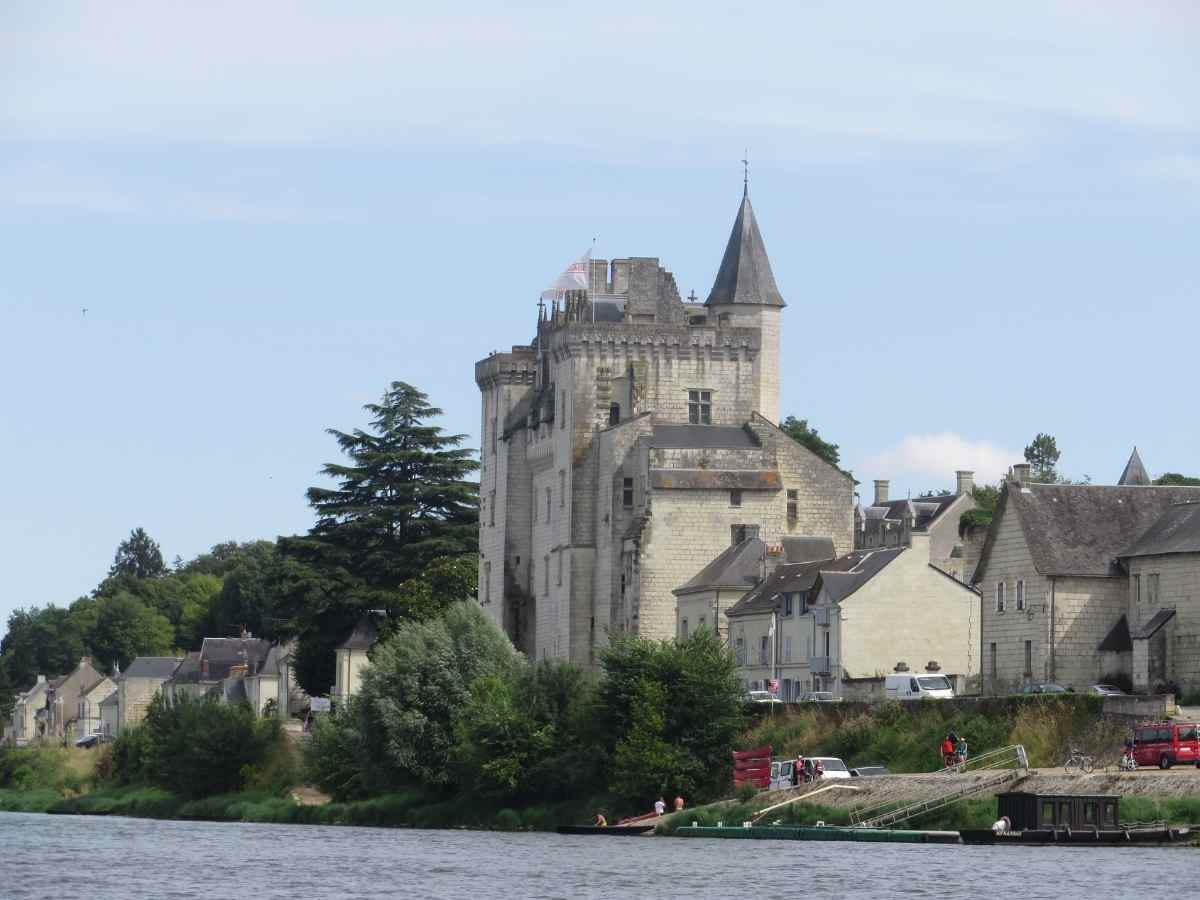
745, 275
1135, 472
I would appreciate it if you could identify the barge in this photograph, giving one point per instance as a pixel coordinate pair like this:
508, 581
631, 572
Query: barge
1036, 820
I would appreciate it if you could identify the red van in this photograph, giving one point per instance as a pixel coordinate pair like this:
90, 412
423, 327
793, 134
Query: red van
1164, 744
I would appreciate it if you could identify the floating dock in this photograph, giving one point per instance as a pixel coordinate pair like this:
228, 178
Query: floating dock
819, 833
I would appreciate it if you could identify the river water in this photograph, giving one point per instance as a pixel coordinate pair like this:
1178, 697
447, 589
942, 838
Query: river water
43, 857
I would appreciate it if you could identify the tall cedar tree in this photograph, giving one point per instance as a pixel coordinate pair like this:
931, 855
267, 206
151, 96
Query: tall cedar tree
403, 502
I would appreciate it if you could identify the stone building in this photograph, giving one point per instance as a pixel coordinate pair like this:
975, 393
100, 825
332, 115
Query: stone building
892, 523
1053, 583
840, 625
63, 699
138, 684
352, 657
631, 442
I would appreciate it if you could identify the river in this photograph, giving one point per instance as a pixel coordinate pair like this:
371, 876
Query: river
94, 858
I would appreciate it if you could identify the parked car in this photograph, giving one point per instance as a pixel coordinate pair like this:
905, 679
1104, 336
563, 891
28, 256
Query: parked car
834, 767
1045, 688
821, 697
902, 686
868, 771
90, 740
1106, 690
761, 697
1164, 744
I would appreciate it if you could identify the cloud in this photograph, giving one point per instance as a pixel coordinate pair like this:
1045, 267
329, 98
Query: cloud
609, 79
939, 456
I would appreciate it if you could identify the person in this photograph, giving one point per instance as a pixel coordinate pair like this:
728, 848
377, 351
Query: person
960, 749
600, 822
678, 803
798, 771
948, 748
818, 770
660, 806
1001, 825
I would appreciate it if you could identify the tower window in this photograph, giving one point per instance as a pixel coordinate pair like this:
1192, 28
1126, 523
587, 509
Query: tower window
627, 493
614, 414
735, 497
793, 505
700, 407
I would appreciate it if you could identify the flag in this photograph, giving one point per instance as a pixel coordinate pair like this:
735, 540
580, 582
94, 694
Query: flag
573, 278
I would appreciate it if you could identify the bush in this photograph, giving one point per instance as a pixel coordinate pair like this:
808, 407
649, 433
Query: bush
746, 792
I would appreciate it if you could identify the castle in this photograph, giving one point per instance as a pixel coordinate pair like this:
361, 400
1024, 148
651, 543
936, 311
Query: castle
632, 442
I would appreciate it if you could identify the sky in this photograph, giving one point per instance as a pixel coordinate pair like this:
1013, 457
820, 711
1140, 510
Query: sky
225, 226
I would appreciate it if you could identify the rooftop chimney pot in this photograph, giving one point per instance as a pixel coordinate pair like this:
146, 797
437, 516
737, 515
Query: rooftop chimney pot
966, 482
1020, 473
881, 491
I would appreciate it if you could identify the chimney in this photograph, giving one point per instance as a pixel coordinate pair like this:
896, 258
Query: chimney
1020, 473
775, 556
932, 666
965, 482
881, 492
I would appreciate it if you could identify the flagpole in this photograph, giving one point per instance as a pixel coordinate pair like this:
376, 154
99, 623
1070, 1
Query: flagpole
591, 294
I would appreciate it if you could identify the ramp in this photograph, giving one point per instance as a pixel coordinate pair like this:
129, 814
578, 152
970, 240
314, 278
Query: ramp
1008, 764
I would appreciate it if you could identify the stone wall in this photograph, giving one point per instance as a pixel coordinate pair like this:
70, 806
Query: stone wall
1178, 589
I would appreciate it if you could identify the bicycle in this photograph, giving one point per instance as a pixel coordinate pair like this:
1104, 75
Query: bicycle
1078, 762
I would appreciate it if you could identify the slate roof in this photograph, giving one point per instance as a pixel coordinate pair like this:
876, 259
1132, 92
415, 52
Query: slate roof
152, 667
737, 566
702, 437
786, 579
854, 570
807, 549
1081, 529
745, 275
844, 575
1117, 640
1135, 472
363, 636
110, 700
1176, 531
188, 670
1153, 624
925, 510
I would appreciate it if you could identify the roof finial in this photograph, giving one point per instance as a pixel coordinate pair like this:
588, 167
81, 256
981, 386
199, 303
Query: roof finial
746, 172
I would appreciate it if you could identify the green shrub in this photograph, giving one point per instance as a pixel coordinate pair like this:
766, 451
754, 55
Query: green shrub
746, 791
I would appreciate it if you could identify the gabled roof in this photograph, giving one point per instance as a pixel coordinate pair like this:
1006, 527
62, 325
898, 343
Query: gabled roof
702, 437
188, 670
363, 636
152, 667
854, 570
786, 579
737, 566
924, 510
1081, 529
1153, 624
1135, 472
1176, 531
111, 700
745, 275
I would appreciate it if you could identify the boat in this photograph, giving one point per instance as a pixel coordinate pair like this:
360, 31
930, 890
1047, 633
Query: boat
1036, 820
606, 830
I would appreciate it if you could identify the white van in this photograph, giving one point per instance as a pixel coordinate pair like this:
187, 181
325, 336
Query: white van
904, 686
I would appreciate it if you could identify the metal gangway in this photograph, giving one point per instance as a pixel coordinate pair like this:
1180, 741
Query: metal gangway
1007, 764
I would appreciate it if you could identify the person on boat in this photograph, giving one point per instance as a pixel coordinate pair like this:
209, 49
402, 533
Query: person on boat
660, 806
678, 803
600, 822
1001, 825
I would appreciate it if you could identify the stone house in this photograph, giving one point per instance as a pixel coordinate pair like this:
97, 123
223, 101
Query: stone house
138, 684
110, 715
25, 709
63, 698
891, 523
353, 657
634, 440
219, 668
703, 601
1052, 580
841, 625
87, 719
289, 687
1157, 640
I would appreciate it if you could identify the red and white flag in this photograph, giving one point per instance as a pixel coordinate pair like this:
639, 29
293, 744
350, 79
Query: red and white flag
573, 278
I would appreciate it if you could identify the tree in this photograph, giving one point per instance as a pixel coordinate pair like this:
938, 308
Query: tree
138, 556
1042, 456
126, 628
1174, 478
798, 431
986, 497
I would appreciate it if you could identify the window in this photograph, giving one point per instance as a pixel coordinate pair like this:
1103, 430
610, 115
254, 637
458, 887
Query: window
701, 625
788, 601
492, 508
1000, 596
763, 651
700, 407
532, 579
801, 603
562, 409
1089, 812
787, 648
627, 493
683, 629
739, 650
1028, 658
1047, 812
487, 582
1020, 594
614, 414
735, 497
1152, 588
562, 488
547, 504
739, 533
1137, 588
992, 653
793, 505
546, 576
560, 567
826, 643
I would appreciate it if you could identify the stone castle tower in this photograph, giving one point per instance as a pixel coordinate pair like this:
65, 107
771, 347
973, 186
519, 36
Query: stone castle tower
632, 441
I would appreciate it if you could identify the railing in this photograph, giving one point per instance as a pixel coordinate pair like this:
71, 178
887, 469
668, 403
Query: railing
1008, 763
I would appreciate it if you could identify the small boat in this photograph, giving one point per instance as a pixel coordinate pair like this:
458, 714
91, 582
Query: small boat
606, 830
1039, 820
